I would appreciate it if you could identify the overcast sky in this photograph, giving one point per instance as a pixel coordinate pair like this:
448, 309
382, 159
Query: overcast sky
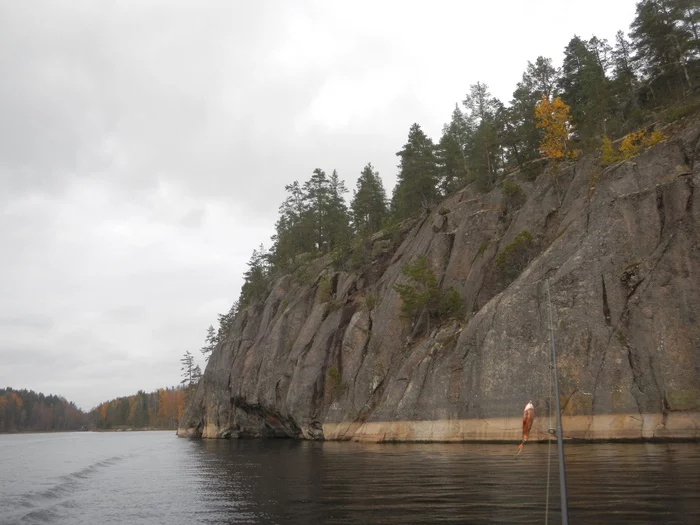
144, 149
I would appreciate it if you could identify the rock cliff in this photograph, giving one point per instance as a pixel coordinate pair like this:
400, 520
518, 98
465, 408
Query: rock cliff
329, 355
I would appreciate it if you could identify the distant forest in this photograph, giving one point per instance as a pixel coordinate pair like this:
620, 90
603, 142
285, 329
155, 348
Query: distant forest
605, 99
161, 409
27, 411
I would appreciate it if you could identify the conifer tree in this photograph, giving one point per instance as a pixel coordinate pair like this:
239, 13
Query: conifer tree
523, 137
451, 152
484, 153
416, 185
187, 369
662, 40
337, 217
209, 343
368, 202
316, 195
584, 86
255, 278
624, 77
294, 232
226, 322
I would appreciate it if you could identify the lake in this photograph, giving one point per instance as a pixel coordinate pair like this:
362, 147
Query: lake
156, 478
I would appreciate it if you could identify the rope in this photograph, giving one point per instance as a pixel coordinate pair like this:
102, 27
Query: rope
549, 449
549, 437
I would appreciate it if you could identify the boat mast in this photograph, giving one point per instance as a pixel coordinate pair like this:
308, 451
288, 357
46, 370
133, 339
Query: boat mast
560, 444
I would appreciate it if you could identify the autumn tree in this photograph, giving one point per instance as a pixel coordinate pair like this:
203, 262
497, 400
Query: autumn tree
521, 134
26, 410
554, 119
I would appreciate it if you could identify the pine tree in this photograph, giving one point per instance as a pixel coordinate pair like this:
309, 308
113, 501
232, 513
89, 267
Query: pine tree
316, 195
209, 343
522, 136
294, 232
226, 322
451, 152
337, 216
584, 86
624, 77
255, 277
416, 185
196, 375
368, 202
187, 369
662, 41
689, 16
484, 151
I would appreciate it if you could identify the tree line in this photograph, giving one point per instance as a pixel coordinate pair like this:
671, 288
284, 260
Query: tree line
159, 409
29, 411
602, 90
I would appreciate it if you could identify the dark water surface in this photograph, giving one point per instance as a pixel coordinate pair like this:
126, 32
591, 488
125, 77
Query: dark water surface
153, 477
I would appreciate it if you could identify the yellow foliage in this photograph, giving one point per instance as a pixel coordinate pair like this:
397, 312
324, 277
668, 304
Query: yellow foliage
553, 118
631, 144
653, 139
637, 141
608, 153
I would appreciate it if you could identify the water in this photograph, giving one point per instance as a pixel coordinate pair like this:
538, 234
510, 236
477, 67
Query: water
155, 478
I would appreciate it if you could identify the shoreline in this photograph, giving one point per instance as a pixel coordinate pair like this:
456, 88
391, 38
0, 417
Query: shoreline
617, 428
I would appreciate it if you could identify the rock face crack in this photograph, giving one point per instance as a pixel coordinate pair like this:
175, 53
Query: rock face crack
661, 210
606, 306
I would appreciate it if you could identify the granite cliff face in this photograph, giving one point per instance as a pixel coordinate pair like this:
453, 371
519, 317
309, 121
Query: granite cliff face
328, 354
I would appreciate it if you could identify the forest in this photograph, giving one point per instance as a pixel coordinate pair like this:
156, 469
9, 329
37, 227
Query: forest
160, 409
28, 411
606, 99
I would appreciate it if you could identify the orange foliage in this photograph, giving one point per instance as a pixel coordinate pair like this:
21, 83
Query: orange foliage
553, 118
160, 409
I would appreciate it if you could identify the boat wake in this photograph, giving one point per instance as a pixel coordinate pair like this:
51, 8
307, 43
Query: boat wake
48, 505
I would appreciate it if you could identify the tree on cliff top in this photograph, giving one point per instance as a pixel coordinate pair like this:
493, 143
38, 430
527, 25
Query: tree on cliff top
187, 369
416, 185
368, 202
209, 343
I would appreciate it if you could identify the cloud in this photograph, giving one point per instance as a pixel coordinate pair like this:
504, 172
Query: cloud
144, 149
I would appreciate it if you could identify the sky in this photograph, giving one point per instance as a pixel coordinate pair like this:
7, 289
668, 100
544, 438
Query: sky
145, 145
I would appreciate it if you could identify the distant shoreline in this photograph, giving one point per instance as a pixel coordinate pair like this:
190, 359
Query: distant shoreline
87, 430
145, 429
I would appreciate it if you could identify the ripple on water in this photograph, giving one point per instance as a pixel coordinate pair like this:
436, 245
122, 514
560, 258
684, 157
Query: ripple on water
156, 478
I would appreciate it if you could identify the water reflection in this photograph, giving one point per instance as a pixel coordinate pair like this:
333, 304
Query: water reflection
302, 482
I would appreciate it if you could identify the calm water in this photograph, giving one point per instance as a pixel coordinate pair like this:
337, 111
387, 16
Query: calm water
153, 477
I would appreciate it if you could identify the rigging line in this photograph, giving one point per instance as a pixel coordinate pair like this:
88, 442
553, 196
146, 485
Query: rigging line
560, 444
549, 444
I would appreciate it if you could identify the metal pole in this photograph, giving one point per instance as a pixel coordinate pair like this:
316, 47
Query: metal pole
560, 444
